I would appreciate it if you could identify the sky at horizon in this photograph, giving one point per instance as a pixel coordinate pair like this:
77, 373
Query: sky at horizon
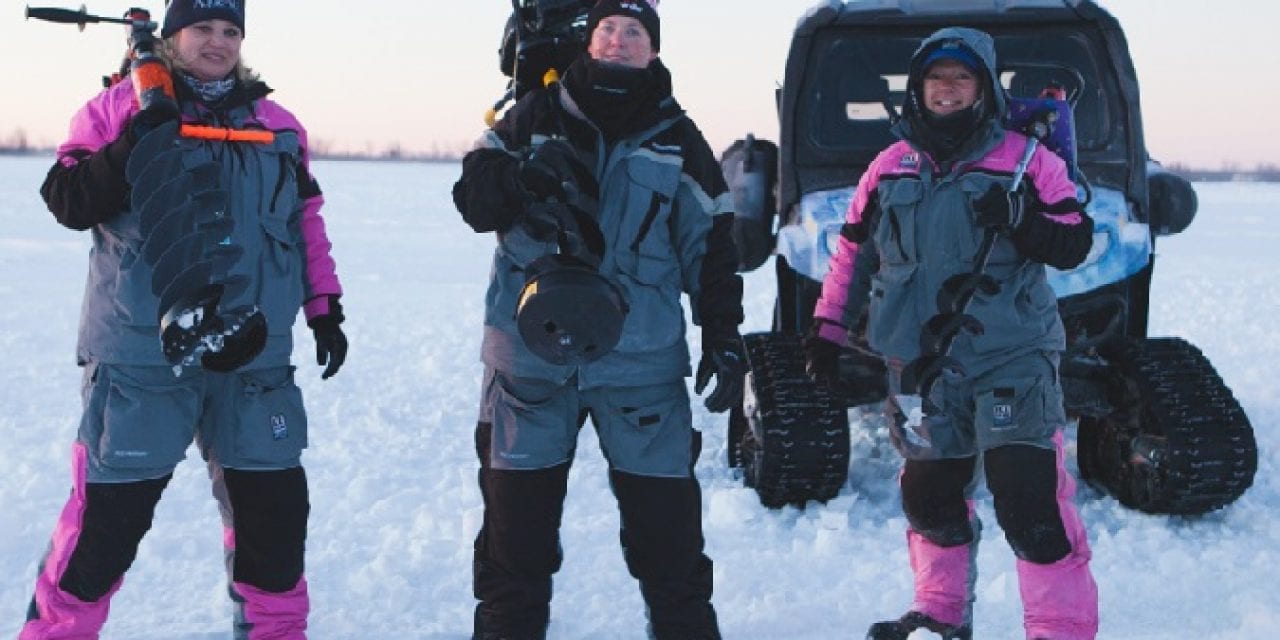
418, 76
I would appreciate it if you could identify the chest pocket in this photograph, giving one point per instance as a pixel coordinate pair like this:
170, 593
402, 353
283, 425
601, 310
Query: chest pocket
644, 242
279, 201
895, 234
282, 272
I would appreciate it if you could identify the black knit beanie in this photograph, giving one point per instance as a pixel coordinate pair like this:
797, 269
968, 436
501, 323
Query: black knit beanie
642, 10
182, 13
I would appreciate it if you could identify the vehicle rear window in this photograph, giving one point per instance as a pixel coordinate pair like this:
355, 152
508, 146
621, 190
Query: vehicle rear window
855, 73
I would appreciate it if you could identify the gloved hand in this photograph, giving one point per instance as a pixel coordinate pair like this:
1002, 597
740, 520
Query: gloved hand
331, 342
542, 220
821, 355
548, 166
1000, 208
724, 357
156, 114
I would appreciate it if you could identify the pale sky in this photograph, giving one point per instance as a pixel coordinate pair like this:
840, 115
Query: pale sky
420, 73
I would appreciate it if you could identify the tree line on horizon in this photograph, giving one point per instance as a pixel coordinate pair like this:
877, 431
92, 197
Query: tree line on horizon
18, 143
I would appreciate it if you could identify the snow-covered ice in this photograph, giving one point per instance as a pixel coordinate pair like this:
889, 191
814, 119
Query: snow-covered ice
392, 461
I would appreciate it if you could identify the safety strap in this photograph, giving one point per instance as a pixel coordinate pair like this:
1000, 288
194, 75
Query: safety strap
223, 134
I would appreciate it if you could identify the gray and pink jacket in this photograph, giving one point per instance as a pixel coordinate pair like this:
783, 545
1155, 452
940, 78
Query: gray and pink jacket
274, 202
911, 225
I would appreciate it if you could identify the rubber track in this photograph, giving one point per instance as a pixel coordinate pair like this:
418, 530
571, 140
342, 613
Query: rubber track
802, 449
1168, 389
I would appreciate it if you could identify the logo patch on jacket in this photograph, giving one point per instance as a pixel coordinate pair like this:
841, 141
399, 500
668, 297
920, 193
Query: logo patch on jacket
1002, 407
279, 427
909, 160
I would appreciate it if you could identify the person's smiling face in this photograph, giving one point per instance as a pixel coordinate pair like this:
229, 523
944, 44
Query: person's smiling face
621, 40
949, 86
209, 49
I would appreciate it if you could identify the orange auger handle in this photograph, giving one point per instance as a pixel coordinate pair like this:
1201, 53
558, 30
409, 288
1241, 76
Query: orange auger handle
202, 132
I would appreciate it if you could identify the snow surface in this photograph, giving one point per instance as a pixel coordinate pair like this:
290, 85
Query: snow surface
392, 463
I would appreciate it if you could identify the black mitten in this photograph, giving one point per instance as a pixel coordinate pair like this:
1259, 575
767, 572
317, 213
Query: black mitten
544, 172
1000, 208
543, 220
158, 113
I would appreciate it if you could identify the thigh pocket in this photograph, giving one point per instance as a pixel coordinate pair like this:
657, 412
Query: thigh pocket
648, 430
1012, 410
273, 424
148, 417
535, 422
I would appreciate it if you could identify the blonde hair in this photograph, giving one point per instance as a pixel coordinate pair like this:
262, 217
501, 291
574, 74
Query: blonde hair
167, 51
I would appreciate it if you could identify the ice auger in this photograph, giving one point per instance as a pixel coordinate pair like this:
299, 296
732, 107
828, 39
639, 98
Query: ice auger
186, 228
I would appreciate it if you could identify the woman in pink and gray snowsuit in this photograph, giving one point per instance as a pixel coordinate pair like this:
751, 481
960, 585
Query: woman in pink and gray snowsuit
224, 208
972, 351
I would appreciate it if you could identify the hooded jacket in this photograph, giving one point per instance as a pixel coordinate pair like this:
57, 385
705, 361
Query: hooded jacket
273, 200
911, 225
665, 213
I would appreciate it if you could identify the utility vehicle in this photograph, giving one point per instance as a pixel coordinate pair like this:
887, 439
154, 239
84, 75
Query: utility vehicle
1157, 427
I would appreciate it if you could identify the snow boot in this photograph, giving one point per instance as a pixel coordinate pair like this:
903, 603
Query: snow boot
666, 633
903, 627
489, 634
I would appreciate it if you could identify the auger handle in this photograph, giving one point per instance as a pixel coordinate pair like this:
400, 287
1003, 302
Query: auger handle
70, 16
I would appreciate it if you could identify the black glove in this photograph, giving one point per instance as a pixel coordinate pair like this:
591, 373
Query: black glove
724, 357
542, 220
821, 356
156, 114
1000, 208
548, 167
331, 342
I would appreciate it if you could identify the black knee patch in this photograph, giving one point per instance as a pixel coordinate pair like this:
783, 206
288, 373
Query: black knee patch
1024, 482
934, 502
661, 530
662, 544
269, 511
521, 532
116, 516
517, 549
